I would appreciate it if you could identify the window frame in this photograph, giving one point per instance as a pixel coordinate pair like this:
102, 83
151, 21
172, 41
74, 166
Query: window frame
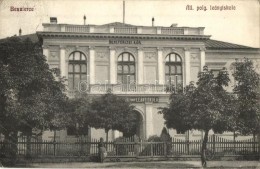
214, 71
169, 64
82, 61
128, 63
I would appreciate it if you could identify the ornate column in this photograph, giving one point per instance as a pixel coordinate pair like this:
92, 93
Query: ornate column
202, 58
112, 66
187, 65
91, 65
63, 71
149, 119
46, 52
140, 66
160, 66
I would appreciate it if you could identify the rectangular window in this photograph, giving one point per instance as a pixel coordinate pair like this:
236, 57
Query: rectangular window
132, 79
167, 69
76, 80
215, 72
180, 132
119, 79
83, 68
72, 130
178, 69
76, 56
70, 68
125, 57
119, 69
70, 82
172, 69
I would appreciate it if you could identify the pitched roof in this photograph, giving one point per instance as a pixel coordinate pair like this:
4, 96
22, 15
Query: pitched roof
33, 37
117, 24
209, 44
215, 44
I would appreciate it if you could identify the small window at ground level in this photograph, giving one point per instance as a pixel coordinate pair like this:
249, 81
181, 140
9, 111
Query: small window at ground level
74, 130
180, 132
215, 72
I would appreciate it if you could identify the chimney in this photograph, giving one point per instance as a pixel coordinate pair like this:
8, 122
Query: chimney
84, 19
53, 20
20, 32
153, 21
174, 25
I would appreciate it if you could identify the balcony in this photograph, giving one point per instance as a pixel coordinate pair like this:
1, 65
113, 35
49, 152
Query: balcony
121, 89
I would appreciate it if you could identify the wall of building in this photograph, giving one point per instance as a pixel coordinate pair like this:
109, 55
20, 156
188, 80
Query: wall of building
150, 60
224, 58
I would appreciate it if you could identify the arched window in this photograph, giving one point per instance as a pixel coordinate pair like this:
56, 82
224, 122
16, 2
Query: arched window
173, 69
77, 69
126, 68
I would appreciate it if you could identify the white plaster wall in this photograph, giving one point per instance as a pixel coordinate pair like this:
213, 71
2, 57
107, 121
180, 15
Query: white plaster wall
98, 133
158, 122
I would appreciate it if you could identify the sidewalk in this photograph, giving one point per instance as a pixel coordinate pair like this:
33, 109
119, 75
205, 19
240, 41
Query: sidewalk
150, 164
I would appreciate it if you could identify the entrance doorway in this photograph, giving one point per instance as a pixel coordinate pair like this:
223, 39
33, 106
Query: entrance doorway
139, 128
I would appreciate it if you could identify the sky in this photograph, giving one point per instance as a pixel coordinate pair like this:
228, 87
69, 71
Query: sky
240, 26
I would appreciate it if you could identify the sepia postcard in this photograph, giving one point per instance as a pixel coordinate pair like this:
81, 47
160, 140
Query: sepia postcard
107, 83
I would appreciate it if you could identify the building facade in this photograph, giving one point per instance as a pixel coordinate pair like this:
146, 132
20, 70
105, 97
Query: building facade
137, 62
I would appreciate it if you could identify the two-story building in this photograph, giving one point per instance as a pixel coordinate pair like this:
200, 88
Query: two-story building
137, 62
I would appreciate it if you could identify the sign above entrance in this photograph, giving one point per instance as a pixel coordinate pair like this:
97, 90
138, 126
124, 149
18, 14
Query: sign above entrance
125, 41
143, 99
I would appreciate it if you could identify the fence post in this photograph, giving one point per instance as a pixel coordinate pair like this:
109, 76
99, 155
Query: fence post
214, 143
136, 146
54, 143
28, 145
54, 148
254, 143
165, 148
258, 142
81, 140
151, 148
187, 138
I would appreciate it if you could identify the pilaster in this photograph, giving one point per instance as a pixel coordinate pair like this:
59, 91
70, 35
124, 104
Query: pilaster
187, 65
91, 65
63, 71
149, 119
46, 52
160, 66
140, 66
202, 58
112, 63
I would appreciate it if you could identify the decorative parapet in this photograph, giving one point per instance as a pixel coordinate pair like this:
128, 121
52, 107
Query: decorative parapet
77, 28
123, 29
126, 30
122, 89
173, 31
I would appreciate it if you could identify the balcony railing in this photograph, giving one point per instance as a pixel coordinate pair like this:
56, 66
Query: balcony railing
173, 31
121, 89
77, 28
126, 30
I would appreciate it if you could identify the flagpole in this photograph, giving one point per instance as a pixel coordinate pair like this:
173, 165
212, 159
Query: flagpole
123, 11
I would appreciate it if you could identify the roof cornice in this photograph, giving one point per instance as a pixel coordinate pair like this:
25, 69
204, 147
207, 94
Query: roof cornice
238, 50
115, 35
